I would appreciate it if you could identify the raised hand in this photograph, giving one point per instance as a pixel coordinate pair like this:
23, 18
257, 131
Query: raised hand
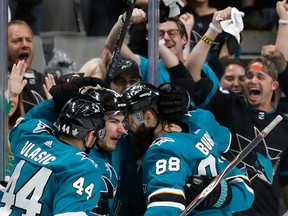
282, 10
274, 54
138, 15
16, 81
218, 16
49, 82
188, 20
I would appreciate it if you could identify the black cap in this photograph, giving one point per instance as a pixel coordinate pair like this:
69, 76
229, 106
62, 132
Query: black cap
126, 65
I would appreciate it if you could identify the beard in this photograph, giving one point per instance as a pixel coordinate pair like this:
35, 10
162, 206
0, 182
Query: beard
142, 139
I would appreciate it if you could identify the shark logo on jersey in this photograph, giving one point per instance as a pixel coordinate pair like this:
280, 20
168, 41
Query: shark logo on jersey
42, 127
107, 191
257, 164
37, 97
111, 171
110, 189
161, 140
86, 157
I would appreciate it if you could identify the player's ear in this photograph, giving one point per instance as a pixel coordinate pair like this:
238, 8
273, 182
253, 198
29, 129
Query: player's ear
150, 120
90, 138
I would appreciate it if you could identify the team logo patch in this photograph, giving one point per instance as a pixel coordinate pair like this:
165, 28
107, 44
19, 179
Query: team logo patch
86, 157
261, 115
161, 140
42, 127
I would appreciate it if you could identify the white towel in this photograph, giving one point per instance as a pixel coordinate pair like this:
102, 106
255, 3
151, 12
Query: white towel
175, 6
234, 25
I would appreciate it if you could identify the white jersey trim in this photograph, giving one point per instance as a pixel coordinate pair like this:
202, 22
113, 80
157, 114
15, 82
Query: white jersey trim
168, 204
167, 190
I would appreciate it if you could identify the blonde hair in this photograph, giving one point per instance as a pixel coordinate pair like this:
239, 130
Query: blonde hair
93, 68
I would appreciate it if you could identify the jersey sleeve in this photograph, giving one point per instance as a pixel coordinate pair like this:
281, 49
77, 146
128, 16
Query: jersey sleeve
44, 110
219, 133
164, 172
79, 190
242, 193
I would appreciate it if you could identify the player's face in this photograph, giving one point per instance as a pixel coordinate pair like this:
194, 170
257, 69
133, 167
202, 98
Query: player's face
114, 129
124, 80
169, 31
143, 137
134, 121
259, 87
233, 78
20, 44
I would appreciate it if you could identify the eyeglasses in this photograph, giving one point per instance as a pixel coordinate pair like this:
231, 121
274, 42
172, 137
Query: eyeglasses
171, 32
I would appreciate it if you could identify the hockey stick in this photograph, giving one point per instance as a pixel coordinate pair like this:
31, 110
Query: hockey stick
116, 53
231, 165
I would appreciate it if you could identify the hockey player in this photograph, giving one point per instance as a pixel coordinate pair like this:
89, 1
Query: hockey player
115, 112
180, 160
53, 175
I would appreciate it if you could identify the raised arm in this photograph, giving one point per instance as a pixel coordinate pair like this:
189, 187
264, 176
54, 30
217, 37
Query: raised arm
138, 15
281, 40
278, 53
198, 55
188, 21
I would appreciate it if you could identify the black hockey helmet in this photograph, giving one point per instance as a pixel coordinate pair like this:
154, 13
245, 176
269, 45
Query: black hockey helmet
140, 96
112, 102
80, 115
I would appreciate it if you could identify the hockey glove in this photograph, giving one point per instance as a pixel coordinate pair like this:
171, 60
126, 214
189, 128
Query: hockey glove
173, 101
61, 93
218, 198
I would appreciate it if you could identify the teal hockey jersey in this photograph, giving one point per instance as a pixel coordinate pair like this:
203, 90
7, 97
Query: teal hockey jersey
50, 177
173, 158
